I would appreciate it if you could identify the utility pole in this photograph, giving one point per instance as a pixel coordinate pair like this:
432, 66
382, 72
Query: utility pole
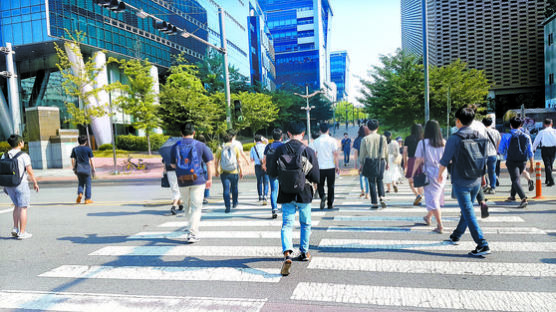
448, 111
426, 59
308, 108
226, 72
13, 88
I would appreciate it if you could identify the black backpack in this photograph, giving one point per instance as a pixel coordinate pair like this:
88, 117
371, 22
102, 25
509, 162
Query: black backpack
9, 171
472, 157
291, 175
517, 148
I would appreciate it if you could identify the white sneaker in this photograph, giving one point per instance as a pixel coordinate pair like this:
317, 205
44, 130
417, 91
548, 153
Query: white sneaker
15, 232
192, 238
24, 235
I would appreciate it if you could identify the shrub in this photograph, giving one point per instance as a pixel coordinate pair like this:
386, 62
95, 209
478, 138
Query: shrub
136, 143
4, 147
105, 147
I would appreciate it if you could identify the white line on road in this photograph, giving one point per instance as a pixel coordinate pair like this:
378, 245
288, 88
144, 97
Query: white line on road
490, 219
433, 245
434, 267
428, 229
212, 234
187, 250
63, 301
167, 273
233, 223
6, 210
366, 208
250, 213
447, 299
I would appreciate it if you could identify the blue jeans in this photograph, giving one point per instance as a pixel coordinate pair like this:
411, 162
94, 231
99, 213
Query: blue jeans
84, 181
273, 193
207, 193
465, 197
262, 180
365, 181
288, 218
229, 183
491, 167
346, 156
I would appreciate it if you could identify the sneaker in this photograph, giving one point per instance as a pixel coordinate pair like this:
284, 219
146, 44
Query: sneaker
417, 200
265, 202
484, 210
531, 185
15, 232
192, 238
323, 202
523, 203
374, 206
205, 201
490, 191
497, 182
227, 210
234, 206
180, 208
510, 199
286, 266
274, 215
485, 250
382, 203
24, 235
395, 188
88, 201
331, 207
453, 240
173, 210
304, 256
79, 197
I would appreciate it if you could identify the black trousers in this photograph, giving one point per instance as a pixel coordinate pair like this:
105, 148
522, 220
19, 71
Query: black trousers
328, 175
376, 184
548, 154
515, 169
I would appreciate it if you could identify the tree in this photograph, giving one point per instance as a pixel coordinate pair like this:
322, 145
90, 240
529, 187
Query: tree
288, 106
138, 98
211, 73
258, 111
79, 81
341, 109
550, 8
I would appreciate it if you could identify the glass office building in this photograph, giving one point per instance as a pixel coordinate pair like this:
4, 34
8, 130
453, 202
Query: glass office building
261, 49
339, 73
300, 30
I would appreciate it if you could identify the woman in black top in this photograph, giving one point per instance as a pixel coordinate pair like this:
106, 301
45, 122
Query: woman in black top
410, 146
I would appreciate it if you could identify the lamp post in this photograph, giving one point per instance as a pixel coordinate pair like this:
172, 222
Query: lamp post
308, 108
426, 59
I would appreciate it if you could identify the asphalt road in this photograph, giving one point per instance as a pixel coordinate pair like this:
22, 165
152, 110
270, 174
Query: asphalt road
125, 253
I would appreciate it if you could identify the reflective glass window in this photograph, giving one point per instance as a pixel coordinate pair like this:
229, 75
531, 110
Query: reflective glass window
37, 31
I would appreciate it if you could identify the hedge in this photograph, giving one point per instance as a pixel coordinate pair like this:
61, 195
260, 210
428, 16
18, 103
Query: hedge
136, 143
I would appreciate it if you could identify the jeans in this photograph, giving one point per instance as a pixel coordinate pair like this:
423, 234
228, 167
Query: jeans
84, 181
229, 183
515, 169
328, 175
364, 181
262, 180
207, 193
346, 157
465, 197
192, 197
491, 167
288, 218
273, 193
548, 154
376, 184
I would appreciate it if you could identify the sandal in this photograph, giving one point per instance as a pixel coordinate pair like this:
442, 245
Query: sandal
427, 221
438, 230
362, 194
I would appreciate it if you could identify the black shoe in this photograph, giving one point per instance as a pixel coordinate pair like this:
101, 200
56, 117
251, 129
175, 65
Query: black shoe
382, 204
173, 210
274, 215
234, 206
453, 240
550, 184
485, 250
304, 256
374, 206
323, 202
180, 208
497, 182
523, 203
531, 185
286, 266
330, 207
205, 201
227, 210
484, 210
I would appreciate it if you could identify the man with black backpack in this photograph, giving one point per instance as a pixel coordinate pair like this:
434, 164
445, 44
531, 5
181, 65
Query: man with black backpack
467, 151
15, 165
296, 167
187, 157
517, 148
269, 152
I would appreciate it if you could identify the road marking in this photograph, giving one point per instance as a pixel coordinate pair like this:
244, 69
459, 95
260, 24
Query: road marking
222, 214
434, 267
428, 229
6, 210
212, 234
188, 250
490, 219
167, 273
447, 299
433, 245
232, 223
65, 301
366, 208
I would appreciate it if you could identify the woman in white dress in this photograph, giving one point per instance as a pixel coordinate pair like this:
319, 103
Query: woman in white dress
393, 173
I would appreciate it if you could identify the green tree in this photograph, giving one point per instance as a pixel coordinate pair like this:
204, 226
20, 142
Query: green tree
211, 73
138, 98
550, 8
341, 109
288, 106
258, 111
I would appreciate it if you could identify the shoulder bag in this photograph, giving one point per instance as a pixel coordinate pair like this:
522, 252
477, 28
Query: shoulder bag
374, 167
422, 179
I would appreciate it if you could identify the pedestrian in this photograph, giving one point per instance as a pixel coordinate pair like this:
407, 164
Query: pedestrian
374, 147
201, 138
230, 171
17, 187
187, 156
546, 140
465, 185
256, 155
517, 148
429, 152
326, 148
482, 130
363, 181
392, 174
296, 166
493, 144
400, 162
238, 145
410, 146
346, 148
170, 171
269, 151
84, 167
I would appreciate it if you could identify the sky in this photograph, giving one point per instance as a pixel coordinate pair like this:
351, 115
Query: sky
366, 29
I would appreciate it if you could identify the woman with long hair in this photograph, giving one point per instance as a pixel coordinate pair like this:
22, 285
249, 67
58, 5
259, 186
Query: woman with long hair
410, 145
392, 174
363, 182
428, 153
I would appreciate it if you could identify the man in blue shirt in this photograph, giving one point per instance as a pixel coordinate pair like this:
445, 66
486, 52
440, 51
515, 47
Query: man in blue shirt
465, 190
346, 148
517, 148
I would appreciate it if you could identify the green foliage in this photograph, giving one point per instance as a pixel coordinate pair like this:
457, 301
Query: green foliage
288, 105
105, 147
136, 143
258, 111
4, 147
550, 8
211, 73
353, 113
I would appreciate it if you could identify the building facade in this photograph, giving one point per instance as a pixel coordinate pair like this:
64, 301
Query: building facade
339, 74
300, 30
549, 62
503, 38
261, 49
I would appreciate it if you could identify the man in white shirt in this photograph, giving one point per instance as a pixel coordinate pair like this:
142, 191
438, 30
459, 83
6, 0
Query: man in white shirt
493, 143
547, 140
327, 155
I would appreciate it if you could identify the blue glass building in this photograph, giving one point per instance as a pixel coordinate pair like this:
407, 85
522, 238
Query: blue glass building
339, 73
300, 30
261, 47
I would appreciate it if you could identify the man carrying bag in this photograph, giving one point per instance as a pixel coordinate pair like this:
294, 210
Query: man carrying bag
373, 157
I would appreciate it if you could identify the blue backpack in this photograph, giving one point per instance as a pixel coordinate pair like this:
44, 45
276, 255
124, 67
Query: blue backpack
188, 163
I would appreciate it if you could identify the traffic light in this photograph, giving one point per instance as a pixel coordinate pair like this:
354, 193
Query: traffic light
165, 27
237, 110
115, 6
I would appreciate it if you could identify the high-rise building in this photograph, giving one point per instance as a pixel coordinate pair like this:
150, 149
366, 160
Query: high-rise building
503, 38
339, 73
549, 62
300, 30
261, 47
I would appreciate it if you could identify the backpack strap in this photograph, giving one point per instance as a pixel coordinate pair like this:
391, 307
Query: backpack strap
491, 139
380, 147
16, 155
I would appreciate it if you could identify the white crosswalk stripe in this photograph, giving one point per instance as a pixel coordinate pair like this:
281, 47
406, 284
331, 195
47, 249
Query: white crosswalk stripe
233, 223
186, 250
428, 229
212, 234
491, 219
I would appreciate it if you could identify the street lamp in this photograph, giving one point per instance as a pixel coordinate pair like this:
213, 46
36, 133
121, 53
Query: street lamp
308, 108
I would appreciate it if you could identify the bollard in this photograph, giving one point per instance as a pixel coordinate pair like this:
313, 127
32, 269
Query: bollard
538, 182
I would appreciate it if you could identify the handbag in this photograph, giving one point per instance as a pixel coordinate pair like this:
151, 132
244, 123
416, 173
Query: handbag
82, 169
422, 179
164, 181
374, 167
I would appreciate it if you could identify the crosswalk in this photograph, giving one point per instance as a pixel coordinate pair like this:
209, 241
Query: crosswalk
362, 258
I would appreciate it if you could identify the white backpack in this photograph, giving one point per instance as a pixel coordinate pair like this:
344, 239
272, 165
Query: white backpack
228, 159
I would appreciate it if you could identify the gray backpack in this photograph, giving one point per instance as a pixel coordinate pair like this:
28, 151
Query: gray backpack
228, 159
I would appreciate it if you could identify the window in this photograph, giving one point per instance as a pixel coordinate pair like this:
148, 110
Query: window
550, 39
551, 79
